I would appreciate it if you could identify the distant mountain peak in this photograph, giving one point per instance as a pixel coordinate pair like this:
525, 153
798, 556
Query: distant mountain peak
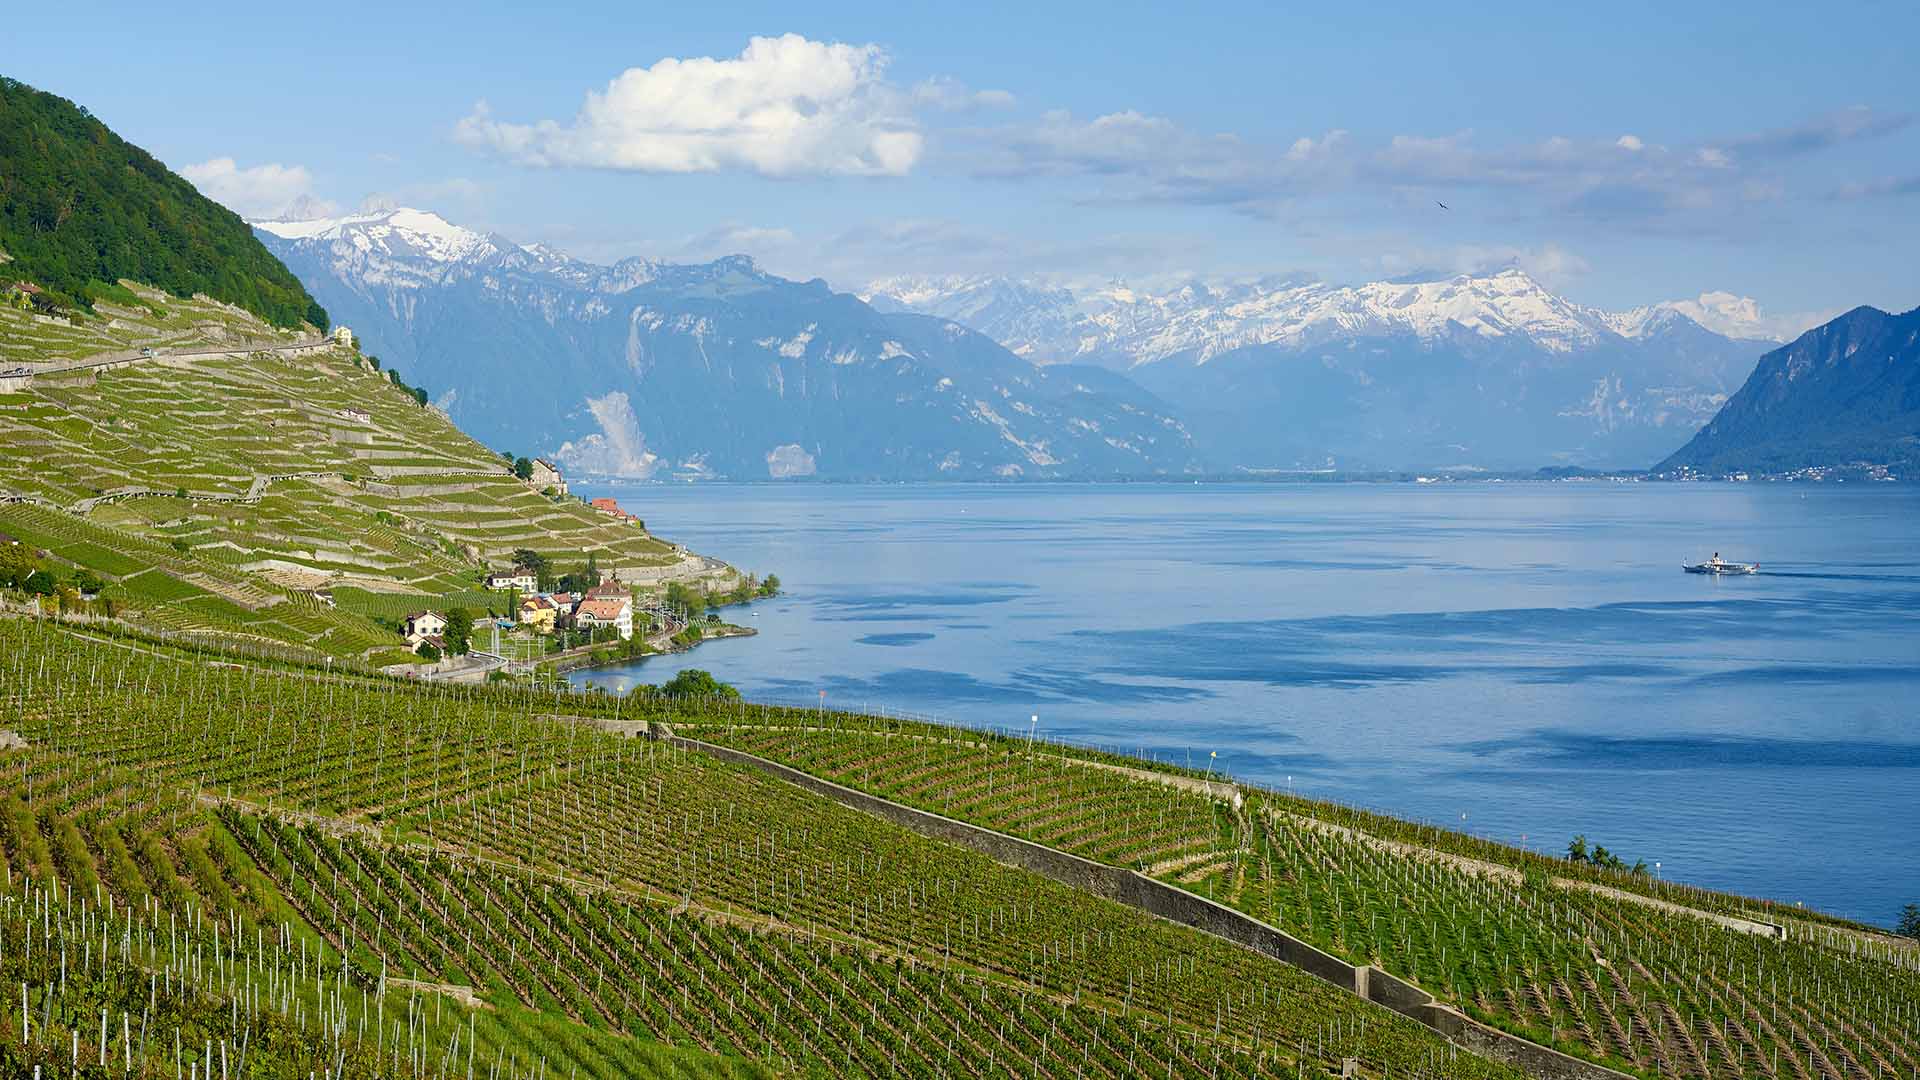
1846, 393
401, 231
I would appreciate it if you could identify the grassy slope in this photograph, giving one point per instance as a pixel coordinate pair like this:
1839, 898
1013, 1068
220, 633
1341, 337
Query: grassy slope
402, 506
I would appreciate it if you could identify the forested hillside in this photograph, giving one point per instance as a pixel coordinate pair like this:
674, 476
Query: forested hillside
81, 208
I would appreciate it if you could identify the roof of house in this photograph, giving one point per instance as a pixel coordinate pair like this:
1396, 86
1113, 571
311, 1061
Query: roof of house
538, 603
609, 588
412, 615
543, 462
604, 609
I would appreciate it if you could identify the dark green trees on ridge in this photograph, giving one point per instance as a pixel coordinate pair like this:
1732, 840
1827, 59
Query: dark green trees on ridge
81, 208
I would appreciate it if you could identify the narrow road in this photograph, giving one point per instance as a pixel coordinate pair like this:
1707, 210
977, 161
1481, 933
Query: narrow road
122, 357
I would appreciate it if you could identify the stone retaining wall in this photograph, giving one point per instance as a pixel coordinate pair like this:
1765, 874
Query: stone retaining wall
1188, 909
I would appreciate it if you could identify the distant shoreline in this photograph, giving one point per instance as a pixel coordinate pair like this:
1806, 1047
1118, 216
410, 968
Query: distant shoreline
1872, 475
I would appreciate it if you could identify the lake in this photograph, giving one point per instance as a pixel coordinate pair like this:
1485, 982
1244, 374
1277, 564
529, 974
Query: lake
1523, 661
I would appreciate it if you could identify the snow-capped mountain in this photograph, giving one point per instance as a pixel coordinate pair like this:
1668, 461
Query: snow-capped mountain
1493, 371
648, 368
1119, 327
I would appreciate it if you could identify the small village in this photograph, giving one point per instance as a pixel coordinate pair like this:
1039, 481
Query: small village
603, 612
569, 619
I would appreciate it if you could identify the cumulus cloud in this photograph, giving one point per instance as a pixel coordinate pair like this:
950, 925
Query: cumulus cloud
1742, 317
1630, 143
619, 448
258, 191
786, 106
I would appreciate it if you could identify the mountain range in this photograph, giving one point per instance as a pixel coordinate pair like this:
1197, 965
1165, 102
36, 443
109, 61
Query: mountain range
1491, 371
1119, 327
644, 368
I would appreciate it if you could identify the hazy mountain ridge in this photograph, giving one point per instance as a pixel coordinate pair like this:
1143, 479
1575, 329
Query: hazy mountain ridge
648, 368
645, 368
1841, 394
1492, 371
1121, 327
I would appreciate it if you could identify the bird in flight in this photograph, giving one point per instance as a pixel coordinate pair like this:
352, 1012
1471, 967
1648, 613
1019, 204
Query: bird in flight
1441, 205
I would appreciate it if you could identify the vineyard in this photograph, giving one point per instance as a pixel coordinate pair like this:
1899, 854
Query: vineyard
1637, 986
214, 493
142, 936
392, 879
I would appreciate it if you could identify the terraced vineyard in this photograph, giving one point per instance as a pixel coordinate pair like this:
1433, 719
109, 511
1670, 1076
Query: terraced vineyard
1595, 973
158, 320
215, 489
613, 892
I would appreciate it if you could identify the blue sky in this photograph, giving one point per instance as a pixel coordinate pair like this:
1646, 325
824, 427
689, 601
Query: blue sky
1624, 154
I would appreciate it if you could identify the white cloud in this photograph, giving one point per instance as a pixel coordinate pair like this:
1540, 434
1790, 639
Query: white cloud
945, 92
1740, 316
259, 191
1856, 124
1136, 157
786, 106
1550, 264
762, 242
1321, 149
619, 448
1630, 143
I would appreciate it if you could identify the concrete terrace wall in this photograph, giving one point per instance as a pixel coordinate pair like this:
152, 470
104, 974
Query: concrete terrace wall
1190, 909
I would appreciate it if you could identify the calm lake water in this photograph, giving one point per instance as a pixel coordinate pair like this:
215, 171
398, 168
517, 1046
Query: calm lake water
1525, 661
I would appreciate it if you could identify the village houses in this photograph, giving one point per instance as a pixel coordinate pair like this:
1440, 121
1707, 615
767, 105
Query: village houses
519, 577
422, 627
539, 612
614, 611
610, 588
546, 476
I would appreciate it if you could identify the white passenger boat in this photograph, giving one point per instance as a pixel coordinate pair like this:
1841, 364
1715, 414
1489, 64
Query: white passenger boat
1718, 565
